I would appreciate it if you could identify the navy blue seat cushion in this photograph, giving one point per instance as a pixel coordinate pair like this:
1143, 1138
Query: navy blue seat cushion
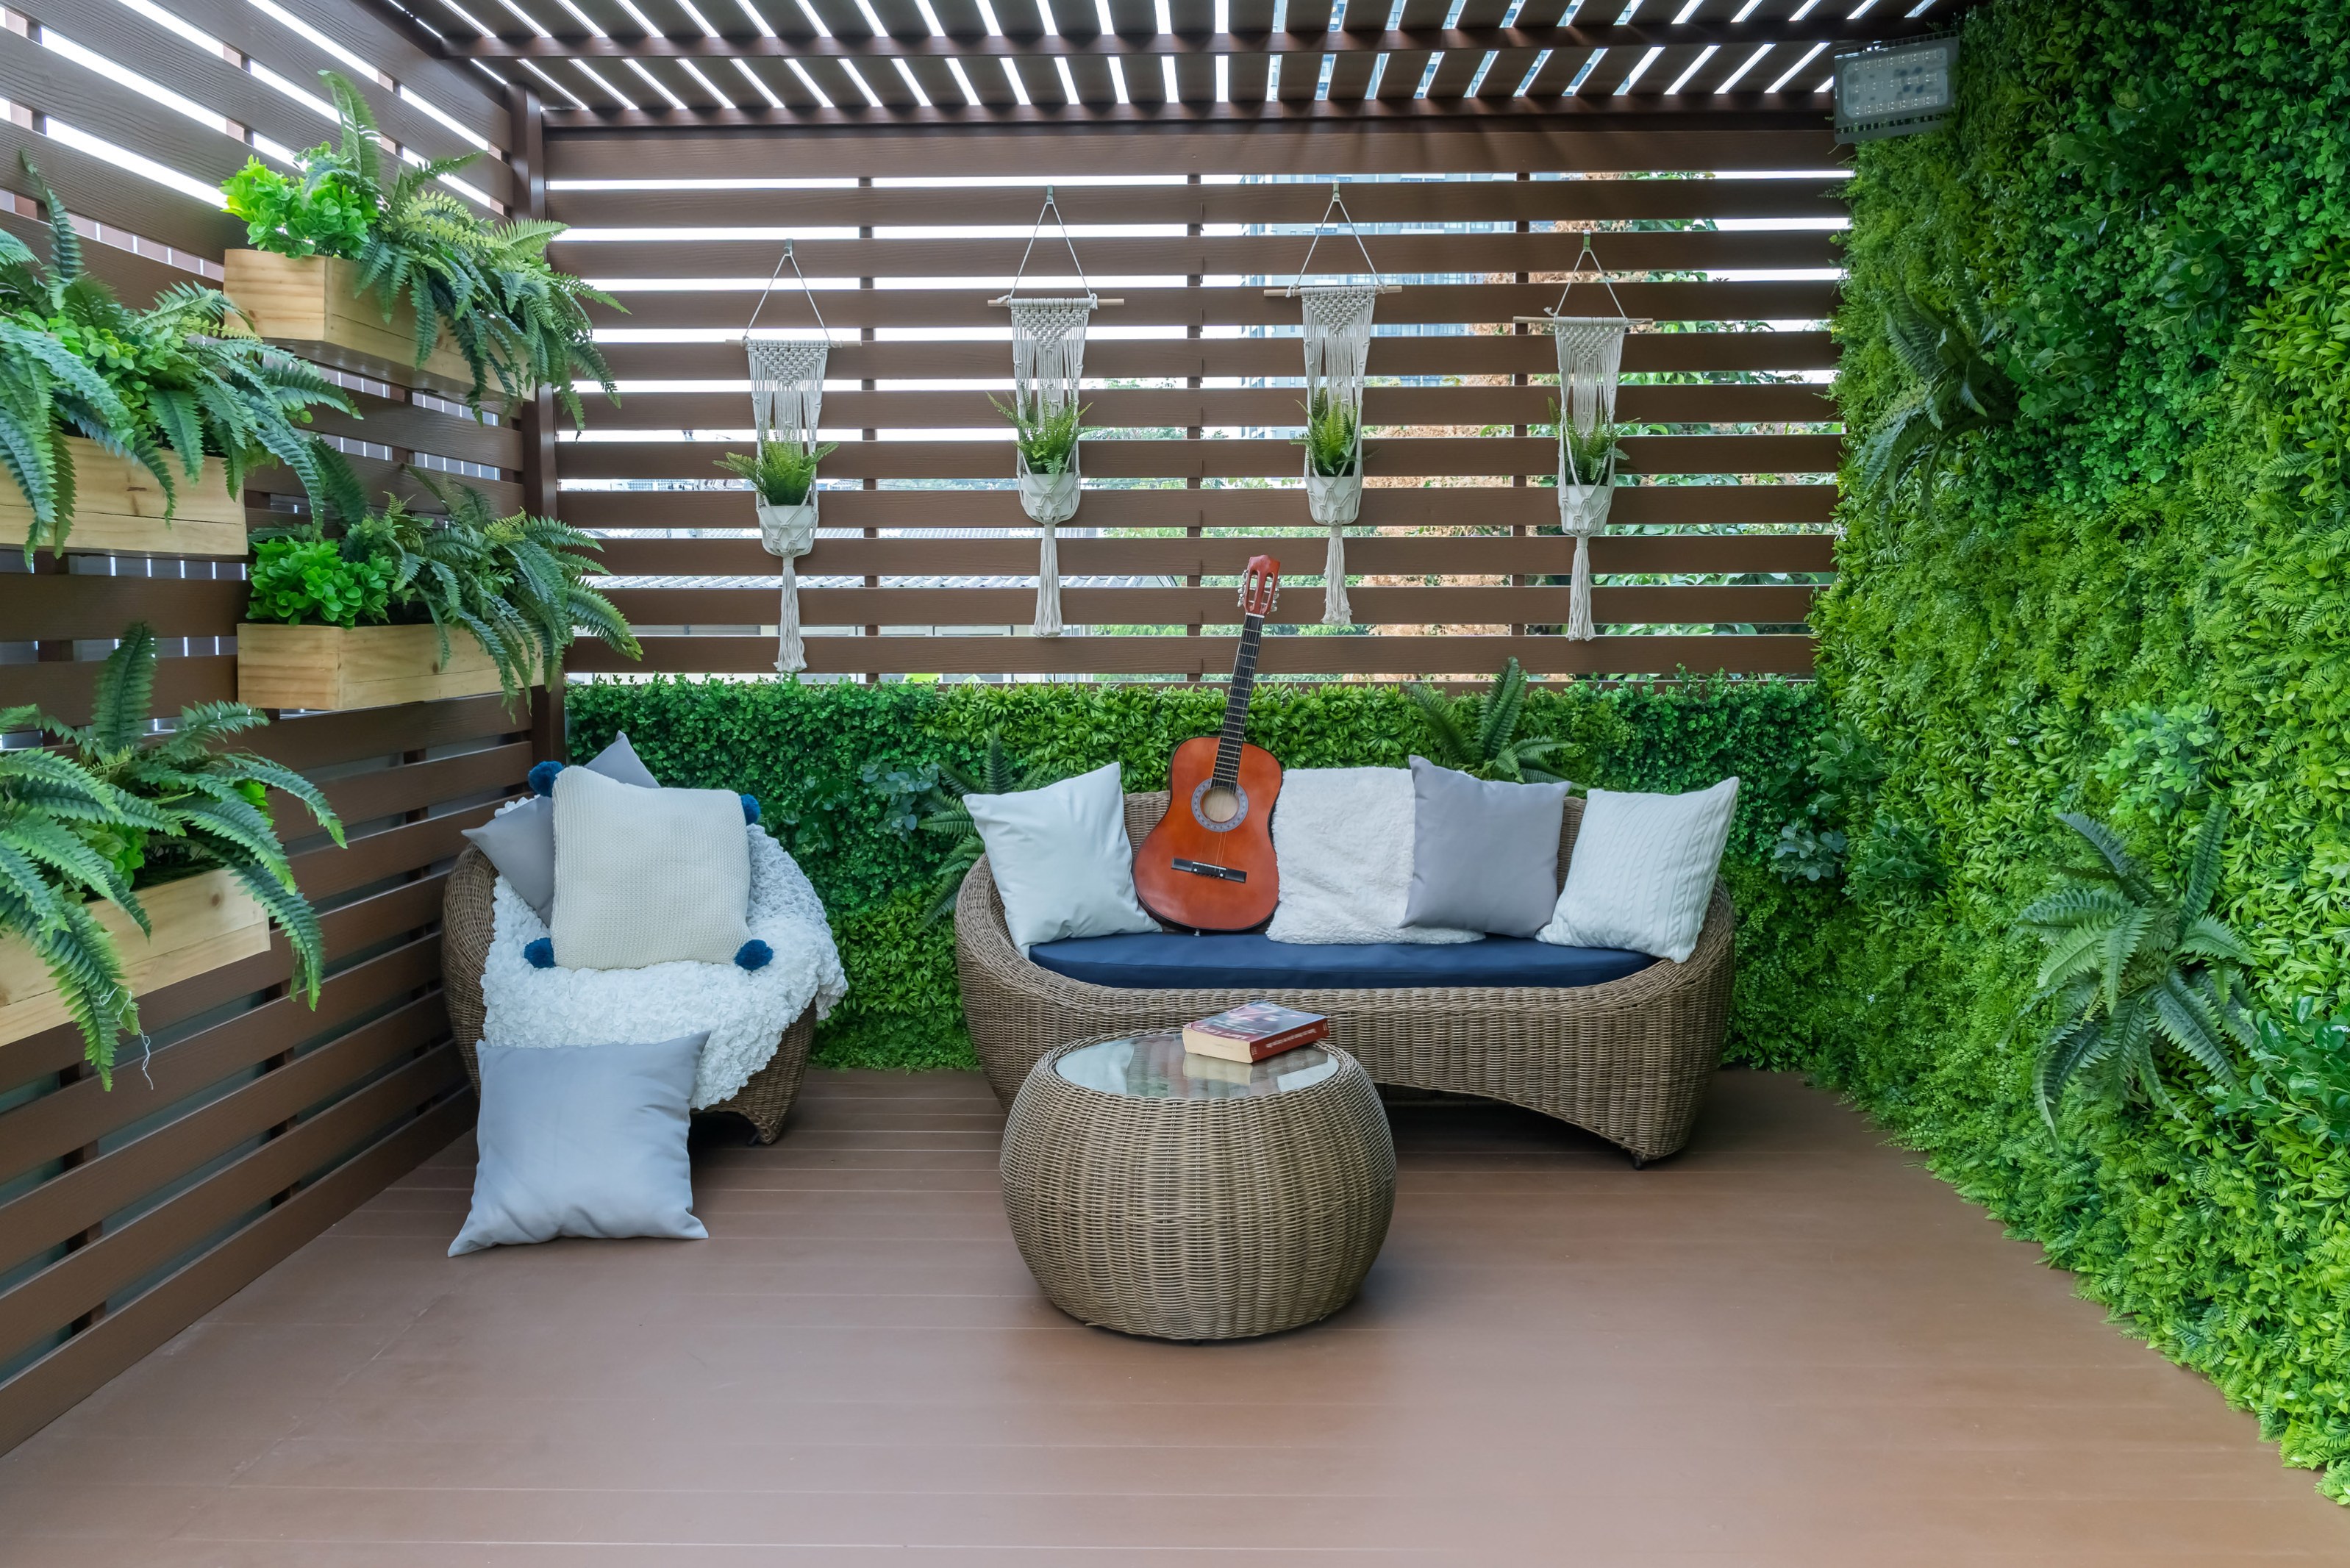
1162, 960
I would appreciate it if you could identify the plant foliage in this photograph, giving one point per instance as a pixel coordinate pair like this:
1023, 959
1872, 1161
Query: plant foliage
2124, 602
782, 472
2134, 966
1046, 435
167, 386
517, 319
518, 586
1479, 736
1333, 439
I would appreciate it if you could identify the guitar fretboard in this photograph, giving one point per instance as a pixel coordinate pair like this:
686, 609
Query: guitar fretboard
1237, 704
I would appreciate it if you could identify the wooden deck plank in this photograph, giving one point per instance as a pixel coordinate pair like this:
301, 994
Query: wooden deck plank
1789, 1344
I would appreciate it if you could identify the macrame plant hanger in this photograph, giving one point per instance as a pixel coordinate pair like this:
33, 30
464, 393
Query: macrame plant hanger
786, 398
1049, 360
1590, 364
1337, 345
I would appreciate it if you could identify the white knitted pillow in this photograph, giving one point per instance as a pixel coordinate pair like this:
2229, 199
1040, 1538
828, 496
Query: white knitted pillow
1342, 843
646, 876
1642, 871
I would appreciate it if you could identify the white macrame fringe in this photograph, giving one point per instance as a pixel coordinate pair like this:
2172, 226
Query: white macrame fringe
1336, 610
1579, 626
1048, 585
791, 653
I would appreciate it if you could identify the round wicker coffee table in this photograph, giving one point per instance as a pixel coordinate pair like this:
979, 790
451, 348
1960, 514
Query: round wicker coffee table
1159, 1193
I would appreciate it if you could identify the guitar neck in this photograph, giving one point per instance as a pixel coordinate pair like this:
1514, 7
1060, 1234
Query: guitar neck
1236, 703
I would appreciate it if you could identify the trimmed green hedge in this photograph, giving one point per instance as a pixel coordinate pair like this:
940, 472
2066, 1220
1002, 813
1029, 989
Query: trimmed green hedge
2130, 598
831, 763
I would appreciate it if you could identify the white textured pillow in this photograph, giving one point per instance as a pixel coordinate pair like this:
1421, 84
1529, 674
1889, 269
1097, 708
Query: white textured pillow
1642, 871
646, 876
1061, 860
1342, 841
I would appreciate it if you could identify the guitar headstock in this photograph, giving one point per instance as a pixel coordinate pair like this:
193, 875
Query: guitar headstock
1260, 586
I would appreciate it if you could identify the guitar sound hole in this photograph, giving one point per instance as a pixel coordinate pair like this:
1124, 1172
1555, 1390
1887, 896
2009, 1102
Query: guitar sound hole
1219, 807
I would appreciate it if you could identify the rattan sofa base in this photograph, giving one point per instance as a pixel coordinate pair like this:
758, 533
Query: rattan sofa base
465, 927
1629, 1060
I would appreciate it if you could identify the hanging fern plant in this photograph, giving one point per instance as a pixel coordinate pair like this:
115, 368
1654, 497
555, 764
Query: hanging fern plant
515, 320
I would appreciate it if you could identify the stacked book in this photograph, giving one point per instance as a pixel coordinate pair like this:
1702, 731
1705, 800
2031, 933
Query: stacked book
1254, 1031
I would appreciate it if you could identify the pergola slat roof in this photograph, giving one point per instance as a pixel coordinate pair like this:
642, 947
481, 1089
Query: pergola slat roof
721, 62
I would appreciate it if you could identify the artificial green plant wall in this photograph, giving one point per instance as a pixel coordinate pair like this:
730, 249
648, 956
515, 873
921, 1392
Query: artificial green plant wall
2122, 593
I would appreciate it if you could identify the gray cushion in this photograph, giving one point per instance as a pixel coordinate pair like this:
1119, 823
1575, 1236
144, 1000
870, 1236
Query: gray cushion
583, 1140
647, 875
1485, 856
520, 840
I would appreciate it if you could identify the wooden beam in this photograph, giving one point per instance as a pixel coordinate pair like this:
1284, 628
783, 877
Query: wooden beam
1734, 113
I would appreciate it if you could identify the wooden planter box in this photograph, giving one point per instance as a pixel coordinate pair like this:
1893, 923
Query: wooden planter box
201, 923
332, 666
118, 509
311, 306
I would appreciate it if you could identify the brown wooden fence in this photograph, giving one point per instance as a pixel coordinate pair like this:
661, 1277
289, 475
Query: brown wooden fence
1193, 469
126, 1214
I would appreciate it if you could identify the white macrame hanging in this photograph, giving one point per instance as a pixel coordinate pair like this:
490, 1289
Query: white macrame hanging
1048, 361
786, 400
1590, 363
1337, 334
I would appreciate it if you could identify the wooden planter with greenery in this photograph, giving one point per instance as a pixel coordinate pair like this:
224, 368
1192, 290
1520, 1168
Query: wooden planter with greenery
201, 923
118, 509
312, 306
337, 667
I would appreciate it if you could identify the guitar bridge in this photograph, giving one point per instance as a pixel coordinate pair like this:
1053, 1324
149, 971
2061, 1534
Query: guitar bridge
1221, 873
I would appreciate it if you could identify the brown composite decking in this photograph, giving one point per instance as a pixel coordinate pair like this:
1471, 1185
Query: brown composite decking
1788, 1345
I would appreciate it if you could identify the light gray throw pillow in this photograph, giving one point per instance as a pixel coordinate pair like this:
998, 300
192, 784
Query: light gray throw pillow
1484, 855
583, 1140
1061, 860
520, 840
647, 875
1643, 871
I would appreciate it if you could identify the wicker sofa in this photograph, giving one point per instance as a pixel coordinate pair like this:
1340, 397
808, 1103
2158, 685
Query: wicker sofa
466, 929
1627, 1059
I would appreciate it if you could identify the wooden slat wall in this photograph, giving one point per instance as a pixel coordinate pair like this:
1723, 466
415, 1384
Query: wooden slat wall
125, 1214
1193, 468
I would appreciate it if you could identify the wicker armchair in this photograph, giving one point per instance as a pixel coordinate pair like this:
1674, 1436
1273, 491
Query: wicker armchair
1628, 1059
465, 926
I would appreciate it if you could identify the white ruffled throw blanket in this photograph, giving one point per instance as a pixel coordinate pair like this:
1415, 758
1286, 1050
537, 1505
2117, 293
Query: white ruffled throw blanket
745, 1011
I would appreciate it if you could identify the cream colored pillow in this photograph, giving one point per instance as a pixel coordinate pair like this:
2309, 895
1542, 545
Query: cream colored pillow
646, 876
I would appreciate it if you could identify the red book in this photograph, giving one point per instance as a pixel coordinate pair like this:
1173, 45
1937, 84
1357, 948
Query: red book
1254, 1031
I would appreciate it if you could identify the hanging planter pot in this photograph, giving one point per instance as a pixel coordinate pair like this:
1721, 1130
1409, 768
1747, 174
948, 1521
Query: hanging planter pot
1333, 500
1590, 365
1337, 338
1048, 357
786, 403
1049, 499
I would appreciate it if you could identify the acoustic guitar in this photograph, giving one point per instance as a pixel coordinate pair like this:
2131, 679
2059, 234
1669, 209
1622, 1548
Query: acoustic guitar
1208, 865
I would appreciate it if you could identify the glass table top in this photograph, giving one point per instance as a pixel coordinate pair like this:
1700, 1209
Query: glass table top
1155, 1066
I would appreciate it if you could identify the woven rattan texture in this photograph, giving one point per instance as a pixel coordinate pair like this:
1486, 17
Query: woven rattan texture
1199, 1219
465, 925
1629, 1060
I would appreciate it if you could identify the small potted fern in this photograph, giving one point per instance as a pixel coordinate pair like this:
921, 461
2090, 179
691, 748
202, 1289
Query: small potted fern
403, 607
782, 478
140, 859
1334, 460
1587, 461
459, 303
1045, 436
